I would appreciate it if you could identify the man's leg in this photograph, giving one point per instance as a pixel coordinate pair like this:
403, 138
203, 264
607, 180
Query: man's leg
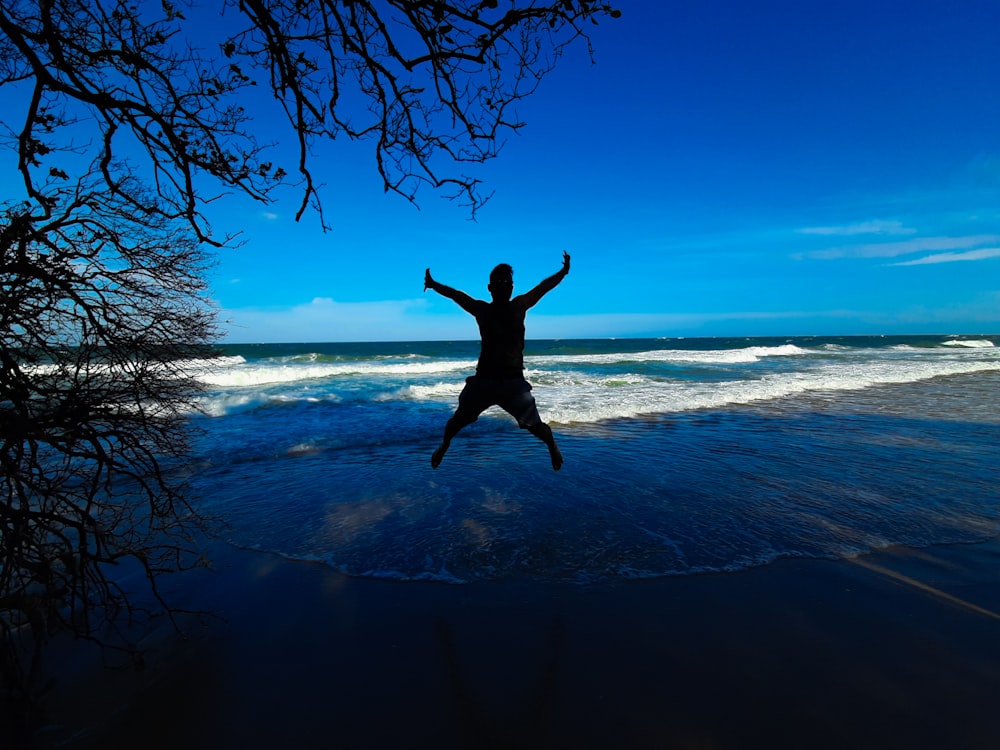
544, 433
520, 404
450, 430
470, 406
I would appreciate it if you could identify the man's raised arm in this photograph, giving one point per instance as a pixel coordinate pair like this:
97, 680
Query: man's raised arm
547, 285
464, 301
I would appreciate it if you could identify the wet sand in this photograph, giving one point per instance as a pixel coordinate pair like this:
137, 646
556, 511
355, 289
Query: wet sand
895, 650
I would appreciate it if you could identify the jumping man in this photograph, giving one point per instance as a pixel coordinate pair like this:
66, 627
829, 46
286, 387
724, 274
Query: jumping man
499, 378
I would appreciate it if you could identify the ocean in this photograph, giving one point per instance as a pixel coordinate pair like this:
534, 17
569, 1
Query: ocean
682, 456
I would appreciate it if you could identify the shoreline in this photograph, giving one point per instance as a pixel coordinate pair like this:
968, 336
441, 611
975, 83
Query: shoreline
896, 648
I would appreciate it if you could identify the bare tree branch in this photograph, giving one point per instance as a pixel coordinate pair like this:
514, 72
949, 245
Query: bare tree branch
99, 309
433, 85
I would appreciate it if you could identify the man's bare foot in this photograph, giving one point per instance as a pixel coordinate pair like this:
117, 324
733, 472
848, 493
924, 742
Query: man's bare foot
438, 455
557, 459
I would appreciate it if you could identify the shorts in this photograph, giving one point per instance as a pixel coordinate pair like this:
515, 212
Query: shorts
512, 395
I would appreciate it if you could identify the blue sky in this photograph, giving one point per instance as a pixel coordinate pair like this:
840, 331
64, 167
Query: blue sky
725, 168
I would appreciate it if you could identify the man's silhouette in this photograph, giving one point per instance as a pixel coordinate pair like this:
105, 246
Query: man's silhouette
499, 378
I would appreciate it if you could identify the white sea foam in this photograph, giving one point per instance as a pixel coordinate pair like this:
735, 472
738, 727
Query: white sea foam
303, 449
710, 356
591, 402
196, 368
970, 343
432, 392
242, 374
229, 402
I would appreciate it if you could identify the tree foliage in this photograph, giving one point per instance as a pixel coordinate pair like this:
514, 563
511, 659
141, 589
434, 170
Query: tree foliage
433, 85
121, 121
98, 306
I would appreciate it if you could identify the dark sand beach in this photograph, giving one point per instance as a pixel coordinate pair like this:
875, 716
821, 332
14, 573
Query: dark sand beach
900, 649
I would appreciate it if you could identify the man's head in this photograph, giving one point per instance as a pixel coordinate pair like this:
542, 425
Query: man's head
501, 284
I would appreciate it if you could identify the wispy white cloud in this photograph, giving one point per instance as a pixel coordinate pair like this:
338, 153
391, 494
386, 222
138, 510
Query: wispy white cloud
906, 247
269, 215
863, 227
980, 254
325, 319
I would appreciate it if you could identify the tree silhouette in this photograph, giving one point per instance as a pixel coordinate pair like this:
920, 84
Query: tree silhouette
99, 306
432, 85
121, 122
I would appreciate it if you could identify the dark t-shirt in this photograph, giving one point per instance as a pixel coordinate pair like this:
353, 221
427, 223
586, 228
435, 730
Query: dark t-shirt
501, 327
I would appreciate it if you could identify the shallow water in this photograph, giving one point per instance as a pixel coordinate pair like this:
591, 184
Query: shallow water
681, 456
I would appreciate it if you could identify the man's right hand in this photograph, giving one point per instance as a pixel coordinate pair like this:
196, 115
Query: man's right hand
428, 281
